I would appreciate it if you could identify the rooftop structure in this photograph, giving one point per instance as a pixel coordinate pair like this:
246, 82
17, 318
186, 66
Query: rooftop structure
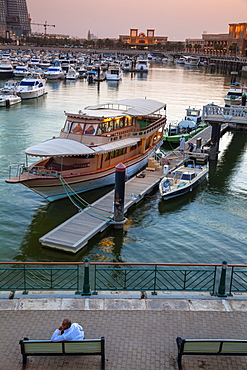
135, 39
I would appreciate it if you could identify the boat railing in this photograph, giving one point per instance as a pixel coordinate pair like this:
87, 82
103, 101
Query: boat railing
154, 126
16, 170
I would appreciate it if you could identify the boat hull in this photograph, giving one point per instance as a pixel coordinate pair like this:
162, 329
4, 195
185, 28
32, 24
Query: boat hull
53, 189
184, 190
176, 138
9, 101
32, 94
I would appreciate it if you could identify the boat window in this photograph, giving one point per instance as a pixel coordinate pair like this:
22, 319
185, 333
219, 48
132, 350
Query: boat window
121, 122
67, 126
77, 128
116, 124
108, 126
188, 176
90, 129
128, 121
26, 83
115, 153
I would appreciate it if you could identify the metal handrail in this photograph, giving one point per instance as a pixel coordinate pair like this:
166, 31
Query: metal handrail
124, 276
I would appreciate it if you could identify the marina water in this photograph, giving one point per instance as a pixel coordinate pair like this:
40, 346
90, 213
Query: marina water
205, 226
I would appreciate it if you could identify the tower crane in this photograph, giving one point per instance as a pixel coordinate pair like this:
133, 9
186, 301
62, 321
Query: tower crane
45, 25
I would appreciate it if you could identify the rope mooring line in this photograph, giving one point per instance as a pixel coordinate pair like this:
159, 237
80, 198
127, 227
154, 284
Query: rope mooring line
67, 187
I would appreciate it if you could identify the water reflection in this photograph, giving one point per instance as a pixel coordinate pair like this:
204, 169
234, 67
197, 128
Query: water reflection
54, 84
220, 172
47, 217
113, 85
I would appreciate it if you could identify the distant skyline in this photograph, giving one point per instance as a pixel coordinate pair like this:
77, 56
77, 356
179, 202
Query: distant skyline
176, 19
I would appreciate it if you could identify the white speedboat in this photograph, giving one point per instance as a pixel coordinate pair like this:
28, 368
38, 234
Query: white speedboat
127, 65
8, 97
142, 65
32, 87
6, 68
21, 71
179, 60
72, 74
54, 73
182, 180
91, 143
114, 73
234, 95
191, 61
11, 85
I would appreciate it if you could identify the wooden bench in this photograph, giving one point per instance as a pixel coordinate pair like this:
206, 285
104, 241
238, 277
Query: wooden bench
213, 347
86, 347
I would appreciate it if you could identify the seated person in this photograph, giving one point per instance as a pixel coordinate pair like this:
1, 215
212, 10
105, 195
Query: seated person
68, 331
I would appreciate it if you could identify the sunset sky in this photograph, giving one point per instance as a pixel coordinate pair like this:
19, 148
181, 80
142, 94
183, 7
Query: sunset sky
177, 19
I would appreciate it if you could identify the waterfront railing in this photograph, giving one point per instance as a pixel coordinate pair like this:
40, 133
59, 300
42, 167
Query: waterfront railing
88, 278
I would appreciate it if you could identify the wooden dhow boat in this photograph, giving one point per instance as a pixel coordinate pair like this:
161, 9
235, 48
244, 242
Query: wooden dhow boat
91, 143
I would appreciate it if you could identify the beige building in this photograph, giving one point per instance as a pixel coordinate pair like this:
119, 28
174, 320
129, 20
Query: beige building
232, 43
142, 40
215, 43
237, 39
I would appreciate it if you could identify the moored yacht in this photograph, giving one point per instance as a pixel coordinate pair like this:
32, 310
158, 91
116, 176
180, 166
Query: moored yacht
32, 87
6, 68
91, 143
54, 72
21, 70
142, 65
8, 97
234, 94
114, 73
72, 74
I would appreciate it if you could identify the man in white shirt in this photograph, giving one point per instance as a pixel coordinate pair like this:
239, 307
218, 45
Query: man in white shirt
68, 331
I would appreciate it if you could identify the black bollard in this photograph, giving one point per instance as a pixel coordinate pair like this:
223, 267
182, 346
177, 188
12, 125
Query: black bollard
119, 196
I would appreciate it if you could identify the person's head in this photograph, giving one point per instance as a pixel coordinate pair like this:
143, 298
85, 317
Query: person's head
66, 323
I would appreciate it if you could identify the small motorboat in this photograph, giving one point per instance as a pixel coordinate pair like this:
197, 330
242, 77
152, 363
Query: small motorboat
182, 180
72, 74
187, 127
235, 93
8, 97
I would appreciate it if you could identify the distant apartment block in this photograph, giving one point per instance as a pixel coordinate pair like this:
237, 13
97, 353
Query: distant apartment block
136, 39
14, 20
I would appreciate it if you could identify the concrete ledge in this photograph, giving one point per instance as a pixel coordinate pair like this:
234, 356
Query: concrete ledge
122, 301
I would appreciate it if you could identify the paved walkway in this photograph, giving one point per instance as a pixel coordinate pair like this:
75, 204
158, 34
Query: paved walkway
140, 333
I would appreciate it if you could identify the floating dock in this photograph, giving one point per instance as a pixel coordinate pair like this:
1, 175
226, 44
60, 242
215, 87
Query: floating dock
74, 234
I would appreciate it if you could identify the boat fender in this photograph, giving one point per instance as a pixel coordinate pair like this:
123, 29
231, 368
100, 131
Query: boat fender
7, 103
